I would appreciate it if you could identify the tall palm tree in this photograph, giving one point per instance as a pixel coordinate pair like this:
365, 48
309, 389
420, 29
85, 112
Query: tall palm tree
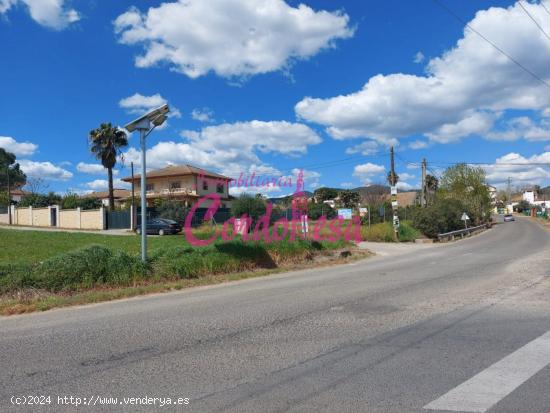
432, 183
106, 143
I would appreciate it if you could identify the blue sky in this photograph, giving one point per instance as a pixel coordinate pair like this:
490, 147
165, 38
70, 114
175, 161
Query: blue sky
272, 86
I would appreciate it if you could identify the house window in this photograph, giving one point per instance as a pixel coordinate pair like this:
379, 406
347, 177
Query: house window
175, 185
219, 188
205, 185
150, 187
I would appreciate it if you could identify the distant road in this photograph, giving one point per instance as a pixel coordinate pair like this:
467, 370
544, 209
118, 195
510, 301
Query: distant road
460, 327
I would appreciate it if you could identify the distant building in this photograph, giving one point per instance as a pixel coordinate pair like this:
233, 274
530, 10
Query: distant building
17, 194
185, 183
529, 195
120, 196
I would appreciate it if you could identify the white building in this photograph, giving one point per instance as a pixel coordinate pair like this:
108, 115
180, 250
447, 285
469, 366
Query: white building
530, 196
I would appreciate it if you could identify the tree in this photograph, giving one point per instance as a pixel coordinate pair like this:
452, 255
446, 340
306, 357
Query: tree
106, 143
249, 205
432, 184
349, 199
36, 185
8, 165
467, 184
324, 194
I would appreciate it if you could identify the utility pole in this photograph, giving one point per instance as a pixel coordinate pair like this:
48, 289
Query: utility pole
393, 183
509, 190
424, 198
9, 193
134, 209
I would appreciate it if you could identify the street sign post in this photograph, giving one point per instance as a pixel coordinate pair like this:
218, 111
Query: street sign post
465, 218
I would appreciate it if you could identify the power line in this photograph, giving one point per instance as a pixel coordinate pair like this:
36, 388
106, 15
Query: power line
533, 19
461, 20
544, 7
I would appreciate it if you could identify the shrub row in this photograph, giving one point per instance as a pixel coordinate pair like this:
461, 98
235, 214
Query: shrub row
100, 266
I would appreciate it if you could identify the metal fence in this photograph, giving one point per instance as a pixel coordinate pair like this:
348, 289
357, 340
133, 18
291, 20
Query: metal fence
449, 236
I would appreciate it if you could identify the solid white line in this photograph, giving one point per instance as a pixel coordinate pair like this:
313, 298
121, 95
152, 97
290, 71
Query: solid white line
491, 385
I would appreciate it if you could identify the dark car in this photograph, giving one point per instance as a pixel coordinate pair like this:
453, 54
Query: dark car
508, 218
161, 226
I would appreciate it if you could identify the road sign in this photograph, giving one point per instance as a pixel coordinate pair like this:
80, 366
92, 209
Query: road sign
394, 190
395, 221
363, 212
344, 213
465, 217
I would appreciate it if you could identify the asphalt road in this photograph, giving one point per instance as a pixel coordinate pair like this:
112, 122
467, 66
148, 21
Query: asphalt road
456, 326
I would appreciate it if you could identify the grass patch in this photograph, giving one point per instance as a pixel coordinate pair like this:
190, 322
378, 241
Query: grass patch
75, 268
383, 232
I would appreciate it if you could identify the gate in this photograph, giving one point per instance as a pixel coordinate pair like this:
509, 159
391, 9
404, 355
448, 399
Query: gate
119, 219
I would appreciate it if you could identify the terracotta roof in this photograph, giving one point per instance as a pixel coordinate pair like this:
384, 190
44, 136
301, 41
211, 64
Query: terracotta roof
118, 193
18, 191
177, 170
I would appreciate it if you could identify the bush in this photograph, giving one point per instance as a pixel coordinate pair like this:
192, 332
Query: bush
443, 216
249, 205
86, 268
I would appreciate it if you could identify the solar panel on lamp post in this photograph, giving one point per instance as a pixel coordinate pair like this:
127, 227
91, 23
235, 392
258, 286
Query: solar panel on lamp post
145, 125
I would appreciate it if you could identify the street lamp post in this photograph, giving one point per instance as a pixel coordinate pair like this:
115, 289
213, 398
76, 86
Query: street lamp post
145, 125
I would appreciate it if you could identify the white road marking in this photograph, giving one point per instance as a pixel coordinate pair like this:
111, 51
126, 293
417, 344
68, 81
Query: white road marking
491, 385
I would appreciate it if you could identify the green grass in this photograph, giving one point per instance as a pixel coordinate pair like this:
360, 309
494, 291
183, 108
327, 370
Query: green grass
27, 247
383, 232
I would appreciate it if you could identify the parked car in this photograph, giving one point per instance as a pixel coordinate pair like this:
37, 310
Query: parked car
508, 218
161, 226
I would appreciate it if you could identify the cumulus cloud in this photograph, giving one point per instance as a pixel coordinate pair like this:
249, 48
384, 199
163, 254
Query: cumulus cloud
534, 169
231, 148
404, 186
365, 172
103, 184
522, 127
17, 148
346, 185
45, 170
139, 104
93, 168
50, 13
419, 144
202, 115
231, 38
463, 92
364, 148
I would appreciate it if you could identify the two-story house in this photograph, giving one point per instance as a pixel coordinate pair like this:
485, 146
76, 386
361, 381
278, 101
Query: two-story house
186, 183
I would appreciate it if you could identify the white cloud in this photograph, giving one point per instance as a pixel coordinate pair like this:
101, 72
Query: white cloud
418, 144
519, 168
346, 185
419, 57
463, 93
404, 186
202, 115
17, 148
230, 38
45, 170
404, 176
139, 104
522, 127
50, 13
365, 148
93, 168
103, 184
231, 148
367, 170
